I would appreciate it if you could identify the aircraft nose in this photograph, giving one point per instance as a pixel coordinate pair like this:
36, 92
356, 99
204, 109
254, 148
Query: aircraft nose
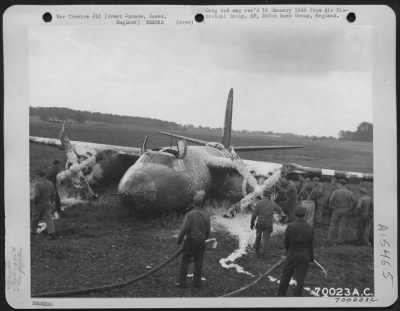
151, 188
138, 189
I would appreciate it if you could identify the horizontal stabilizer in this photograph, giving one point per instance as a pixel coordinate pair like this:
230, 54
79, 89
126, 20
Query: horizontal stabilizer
193, 140
255, 148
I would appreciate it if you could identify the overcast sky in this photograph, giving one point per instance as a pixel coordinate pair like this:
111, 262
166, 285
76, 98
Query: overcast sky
304, 80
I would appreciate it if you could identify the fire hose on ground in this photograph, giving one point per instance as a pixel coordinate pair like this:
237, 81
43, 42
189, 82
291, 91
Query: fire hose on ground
276, 265
155, 269
118, 285
255, 281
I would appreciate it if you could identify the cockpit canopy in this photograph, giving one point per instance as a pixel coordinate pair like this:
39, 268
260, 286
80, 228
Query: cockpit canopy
157, 157
165, 156
178, 151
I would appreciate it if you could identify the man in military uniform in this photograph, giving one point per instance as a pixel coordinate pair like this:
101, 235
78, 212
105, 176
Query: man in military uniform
196, 227
52, 176
307, 196
342, 201
264, 213
319, 190
43, 199
333, 186
287, 196
298, 243
365, 216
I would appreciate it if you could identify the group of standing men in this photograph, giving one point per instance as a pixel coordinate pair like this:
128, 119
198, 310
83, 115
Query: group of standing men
299, 233
339, 205
343, 204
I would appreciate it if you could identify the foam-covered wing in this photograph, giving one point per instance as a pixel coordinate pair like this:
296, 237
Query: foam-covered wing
46, 141
292, 171
81, 146
259, 168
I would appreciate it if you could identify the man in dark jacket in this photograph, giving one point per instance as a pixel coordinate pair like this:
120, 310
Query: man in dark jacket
299, 249
264, 213
52, 176
196, 227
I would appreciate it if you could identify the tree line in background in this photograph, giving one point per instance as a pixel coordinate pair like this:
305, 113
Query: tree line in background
55, 114
364, 132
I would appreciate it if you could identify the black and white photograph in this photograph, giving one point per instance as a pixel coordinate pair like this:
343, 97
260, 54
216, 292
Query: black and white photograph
199, 155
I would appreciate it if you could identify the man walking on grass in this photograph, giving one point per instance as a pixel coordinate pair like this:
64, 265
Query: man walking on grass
299, 249
264, 213
196, 228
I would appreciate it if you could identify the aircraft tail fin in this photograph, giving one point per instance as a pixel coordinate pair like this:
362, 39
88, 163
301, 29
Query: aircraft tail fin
226, 136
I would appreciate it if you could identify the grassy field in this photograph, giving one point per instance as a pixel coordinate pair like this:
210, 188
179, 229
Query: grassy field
103, 242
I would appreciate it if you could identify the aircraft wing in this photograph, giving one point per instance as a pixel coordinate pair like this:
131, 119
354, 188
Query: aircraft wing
267, 169
45, 141
237, 148
327, 174
83, 146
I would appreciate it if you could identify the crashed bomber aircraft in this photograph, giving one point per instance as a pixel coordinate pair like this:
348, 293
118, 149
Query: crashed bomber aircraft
166, 178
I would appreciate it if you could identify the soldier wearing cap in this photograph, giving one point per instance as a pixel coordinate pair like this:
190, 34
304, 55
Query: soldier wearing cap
43, 199
196, 227
298, 243
365, 215
263, 212
342, 201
